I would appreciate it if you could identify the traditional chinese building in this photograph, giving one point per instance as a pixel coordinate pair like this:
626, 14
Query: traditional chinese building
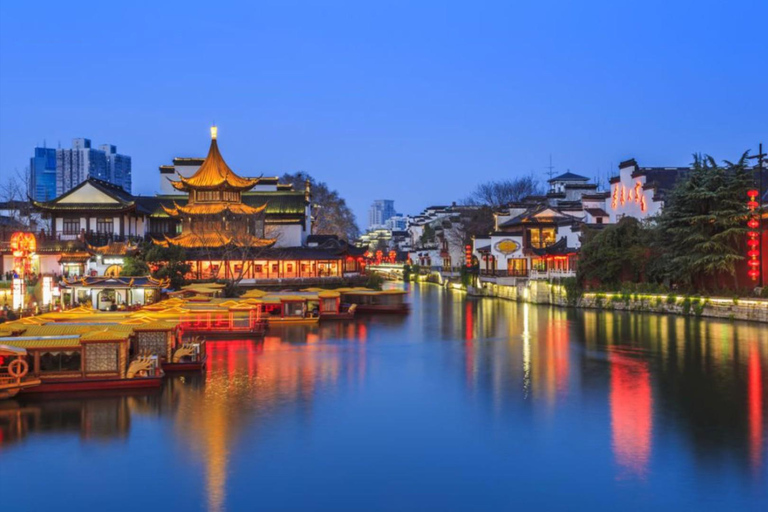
215, 215
530, 241
230, 226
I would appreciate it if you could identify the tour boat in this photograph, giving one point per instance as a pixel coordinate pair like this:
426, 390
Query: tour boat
330, 306
288, 310
237, 321
94, 361
14, 371
164, 339
377, 301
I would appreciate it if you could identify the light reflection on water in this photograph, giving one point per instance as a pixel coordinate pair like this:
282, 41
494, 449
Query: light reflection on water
465, 404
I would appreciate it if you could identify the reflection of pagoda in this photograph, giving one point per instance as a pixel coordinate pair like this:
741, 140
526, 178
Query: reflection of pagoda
215, 215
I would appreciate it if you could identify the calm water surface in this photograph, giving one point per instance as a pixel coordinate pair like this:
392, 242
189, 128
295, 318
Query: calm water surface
463, 405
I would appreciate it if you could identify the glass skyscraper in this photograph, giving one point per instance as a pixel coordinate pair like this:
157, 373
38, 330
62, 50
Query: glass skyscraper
42, 175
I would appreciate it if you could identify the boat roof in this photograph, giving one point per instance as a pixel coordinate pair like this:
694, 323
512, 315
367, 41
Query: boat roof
6, 350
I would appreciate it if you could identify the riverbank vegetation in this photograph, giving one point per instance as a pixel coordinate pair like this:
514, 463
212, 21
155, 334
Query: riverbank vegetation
696, 244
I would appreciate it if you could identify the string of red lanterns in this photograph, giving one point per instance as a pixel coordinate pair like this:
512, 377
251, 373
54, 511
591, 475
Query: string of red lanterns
753, 237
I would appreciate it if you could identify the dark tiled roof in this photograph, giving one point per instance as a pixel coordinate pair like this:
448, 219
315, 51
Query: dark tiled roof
596, 212
662, 179
559, 248
568, 176
627, 163
597, 195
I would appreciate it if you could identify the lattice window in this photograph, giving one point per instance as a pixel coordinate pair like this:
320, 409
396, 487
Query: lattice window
153, 343
101, 357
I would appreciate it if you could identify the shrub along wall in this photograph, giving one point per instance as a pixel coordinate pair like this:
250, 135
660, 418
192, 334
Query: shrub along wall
541, 292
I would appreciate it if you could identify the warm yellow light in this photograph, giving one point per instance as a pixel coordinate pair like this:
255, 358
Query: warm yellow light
214, 132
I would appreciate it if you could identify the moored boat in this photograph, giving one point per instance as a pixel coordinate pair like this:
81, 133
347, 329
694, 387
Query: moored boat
330, 306
94, 361
377, 301
14, 372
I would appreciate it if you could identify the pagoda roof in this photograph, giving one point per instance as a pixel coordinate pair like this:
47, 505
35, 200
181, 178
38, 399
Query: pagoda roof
215, 240
214, 173
212, 209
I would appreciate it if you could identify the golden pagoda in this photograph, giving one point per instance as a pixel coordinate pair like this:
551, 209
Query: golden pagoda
215, 215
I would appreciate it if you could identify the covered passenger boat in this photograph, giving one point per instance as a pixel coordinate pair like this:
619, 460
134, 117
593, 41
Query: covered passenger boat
291, 309
14, 371
376, 301
96, 360
330, 306
163, 339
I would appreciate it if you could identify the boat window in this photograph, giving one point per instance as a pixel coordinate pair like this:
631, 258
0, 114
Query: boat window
294, 309
60, 361
329, 305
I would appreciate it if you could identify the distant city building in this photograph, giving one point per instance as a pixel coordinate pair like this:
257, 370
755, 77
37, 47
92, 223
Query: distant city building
381, 211
42, 174
75, 165
397, 222
118, 167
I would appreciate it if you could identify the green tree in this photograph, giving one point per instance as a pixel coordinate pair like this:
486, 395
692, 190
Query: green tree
331, 214
617, 253
134, 266
702, 228
170, 262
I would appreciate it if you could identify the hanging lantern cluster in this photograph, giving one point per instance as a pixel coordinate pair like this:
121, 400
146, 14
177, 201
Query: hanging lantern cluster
753, 236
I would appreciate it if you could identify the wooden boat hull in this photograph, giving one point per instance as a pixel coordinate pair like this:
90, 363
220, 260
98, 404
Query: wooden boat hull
224, 335
337, 316
85, 384
293, 321
11, 390
192, 366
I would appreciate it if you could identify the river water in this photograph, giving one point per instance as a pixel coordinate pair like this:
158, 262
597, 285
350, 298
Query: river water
478, 404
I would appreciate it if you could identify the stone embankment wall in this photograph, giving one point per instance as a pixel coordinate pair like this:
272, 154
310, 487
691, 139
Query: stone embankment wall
542, 292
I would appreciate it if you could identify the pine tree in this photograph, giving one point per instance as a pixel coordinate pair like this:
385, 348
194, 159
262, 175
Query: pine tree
701, 229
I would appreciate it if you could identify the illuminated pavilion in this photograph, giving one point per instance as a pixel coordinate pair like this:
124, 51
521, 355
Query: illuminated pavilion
215, 215
224, 237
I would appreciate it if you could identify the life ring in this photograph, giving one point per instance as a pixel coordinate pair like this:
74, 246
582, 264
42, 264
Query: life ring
18, 368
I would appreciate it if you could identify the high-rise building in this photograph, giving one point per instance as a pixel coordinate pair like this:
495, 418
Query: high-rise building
118, 167
42, 175
73, 166
381, 211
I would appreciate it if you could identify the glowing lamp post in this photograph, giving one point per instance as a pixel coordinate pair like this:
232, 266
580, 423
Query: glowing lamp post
753, 237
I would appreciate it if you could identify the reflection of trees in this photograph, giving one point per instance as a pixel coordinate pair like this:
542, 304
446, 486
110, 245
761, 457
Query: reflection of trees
705, 375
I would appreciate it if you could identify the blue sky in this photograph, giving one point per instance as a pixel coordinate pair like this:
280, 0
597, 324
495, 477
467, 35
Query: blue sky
411, 101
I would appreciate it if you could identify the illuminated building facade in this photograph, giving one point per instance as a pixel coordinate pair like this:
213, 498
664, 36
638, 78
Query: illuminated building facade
231, 227
530, 242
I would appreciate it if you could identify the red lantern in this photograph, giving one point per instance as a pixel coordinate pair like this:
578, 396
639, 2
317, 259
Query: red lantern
753, 243
753, 223
754, 274
752, 193
753, 263
752, 205
753, 253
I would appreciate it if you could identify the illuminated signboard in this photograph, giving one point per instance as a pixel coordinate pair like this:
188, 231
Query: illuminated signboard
507, 246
